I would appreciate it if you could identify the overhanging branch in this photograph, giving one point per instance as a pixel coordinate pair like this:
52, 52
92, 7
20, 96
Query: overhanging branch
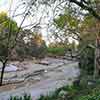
87, 7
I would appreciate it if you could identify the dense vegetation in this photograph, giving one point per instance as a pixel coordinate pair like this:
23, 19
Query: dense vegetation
25, 97
56, 51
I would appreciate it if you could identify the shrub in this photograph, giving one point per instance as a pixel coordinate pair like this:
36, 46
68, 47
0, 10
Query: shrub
56, 51
94, 96
25, 97
31, 50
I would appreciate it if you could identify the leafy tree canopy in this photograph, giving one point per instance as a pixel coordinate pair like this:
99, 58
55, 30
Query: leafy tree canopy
8, 29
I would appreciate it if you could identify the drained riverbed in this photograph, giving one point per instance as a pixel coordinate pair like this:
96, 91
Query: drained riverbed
38, 78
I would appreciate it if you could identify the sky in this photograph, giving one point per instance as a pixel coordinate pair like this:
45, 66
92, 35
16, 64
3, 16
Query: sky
4, 5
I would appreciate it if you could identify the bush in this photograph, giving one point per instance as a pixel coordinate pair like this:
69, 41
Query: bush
56, 51
31, 50
93, 96
38, 51
25, 97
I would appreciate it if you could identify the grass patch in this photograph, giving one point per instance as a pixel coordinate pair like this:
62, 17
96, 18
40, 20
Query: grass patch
56, 51
25, 97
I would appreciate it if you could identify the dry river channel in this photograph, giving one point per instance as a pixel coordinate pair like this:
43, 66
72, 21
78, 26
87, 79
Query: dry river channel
39, 78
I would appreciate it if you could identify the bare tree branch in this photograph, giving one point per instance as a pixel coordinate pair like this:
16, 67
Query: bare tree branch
86, 7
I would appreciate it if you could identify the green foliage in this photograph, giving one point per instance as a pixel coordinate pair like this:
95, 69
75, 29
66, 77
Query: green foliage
66, 19
36, 47
94, 95
38, 51
25, 97
88, 25
7, 26
56, 51
8, 29
91, 97
88, 21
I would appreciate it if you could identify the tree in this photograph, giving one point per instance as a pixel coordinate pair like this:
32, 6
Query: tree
88, 35
6, 22
87, 5
8, 29
70, 25
91, 7
82, 30
30, 45
38, 46
10, 33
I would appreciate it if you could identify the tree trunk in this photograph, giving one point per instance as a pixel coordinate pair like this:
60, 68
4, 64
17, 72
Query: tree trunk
97, 50
95, 61
2, 73
97, 58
